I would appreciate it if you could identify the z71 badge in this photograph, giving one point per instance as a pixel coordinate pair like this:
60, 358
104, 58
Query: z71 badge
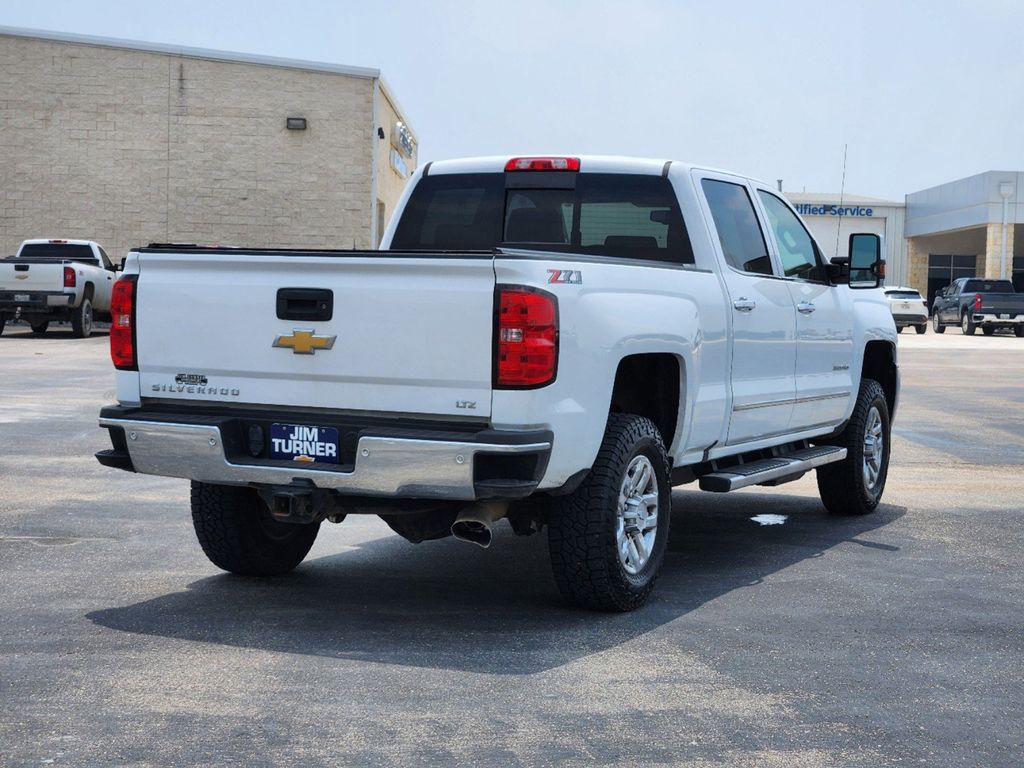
567, 276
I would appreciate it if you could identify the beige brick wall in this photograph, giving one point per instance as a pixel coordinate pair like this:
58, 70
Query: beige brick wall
993, 265
390, 184
127, 147
917, 264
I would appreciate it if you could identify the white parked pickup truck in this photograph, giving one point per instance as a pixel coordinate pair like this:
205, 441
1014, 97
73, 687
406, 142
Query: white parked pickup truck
51, 280
552, 340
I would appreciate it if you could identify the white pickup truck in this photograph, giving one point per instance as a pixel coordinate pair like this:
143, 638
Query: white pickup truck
552, 340
50, 280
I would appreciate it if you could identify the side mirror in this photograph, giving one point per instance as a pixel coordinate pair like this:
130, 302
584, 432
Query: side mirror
867, 268
119, 267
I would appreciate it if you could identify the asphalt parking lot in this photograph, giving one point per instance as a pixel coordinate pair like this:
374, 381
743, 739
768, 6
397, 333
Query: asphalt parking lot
894, 639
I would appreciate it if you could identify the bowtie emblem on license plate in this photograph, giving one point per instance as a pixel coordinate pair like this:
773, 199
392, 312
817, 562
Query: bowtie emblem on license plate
304, 342
297, 442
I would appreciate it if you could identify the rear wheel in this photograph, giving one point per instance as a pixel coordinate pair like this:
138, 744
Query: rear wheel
854, 485
921, 329
899, 329
238, 533
937, 325
988, 330
3, 322
40, 328
607, 539
81, 319
967, 324
1019, 330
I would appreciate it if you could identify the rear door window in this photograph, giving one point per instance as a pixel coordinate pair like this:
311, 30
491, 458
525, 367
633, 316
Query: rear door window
738, 230
629, 216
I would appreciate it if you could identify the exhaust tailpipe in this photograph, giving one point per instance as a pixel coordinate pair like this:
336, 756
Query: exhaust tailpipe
474, 523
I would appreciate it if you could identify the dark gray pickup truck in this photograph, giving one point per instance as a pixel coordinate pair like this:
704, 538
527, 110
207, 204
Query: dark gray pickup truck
974, 302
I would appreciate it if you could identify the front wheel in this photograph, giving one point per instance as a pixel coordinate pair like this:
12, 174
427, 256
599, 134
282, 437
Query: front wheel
40, 328
967, 324
238, 533
937, 325
81, 320
854, 485
607, 539
921, 329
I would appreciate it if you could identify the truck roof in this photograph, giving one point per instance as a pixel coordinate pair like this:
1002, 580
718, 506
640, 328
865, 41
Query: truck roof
58, 241
591, 163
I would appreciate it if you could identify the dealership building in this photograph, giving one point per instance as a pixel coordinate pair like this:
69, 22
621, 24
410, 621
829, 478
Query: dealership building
964, 228
128, 143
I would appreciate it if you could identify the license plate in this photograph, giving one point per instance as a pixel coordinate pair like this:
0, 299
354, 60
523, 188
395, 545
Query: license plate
1004, 317
297, 442
22, 297
905, 305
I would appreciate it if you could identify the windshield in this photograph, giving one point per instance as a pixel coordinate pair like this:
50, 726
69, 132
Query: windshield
58, 252
620, 215
988, 286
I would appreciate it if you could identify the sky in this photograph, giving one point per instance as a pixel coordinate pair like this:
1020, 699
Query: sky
919, 93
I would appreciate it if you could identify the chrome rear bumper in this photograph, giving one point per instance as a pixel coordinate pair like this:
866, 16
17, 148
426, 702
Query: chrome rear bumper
383, 466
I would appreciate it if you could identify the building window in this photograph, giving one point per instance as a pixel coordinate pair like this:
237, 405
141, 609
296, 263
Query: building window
944, 269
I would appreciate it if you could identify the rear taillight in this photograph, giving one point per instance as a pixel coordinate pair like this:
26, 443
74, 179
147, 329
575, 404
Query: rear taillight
543, 164
69, 277
122, 324
526, 343
977, 301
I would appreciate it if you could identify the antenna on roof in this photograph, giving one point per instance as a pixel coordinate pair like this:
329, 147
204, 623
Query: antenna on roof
842, 190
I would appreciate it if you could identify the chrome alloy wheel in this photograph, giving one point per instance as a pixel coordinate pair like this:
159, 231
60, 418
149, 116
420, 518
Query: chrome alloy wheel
637, 522
874, 449
87, 319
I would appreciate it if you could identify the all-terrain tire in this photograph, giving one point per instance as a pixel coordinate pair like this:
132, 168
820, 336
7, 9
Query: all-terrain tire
81, 319
584, 528
843, 485
238, 534
937, 325
40, 328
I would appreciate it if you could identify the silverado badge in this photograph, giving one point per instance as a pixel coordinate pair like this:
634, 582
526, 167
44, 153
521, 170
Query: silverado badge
303, 342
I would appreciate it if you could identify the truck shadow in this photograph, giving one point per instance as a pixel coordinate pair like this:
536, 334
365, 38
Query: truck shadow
449, 605
52, 334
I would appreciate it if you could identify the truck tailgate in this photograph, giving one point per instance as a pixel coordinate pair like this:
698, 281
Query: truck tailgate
1002, 303
407, 335
17, 275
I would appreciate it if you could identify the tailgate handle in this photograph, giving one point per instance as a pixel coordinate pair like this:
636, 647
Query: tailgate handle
305, 304
21, 267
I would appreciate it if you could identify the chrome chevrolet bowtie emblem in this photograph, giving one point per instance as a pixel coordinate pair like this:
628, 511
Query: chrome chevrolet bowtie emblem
303, 342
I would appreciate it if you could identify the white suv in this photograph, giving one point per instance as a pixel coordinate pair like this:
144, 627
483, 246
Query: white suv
908, 308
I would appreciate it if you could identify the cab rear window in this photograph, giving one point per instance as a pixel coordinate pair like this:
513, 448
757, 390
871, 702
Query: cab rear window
628, 216
58, 252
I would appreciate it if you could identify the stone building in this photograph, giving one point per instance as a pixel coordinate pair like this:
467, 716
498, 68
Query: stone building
128, 143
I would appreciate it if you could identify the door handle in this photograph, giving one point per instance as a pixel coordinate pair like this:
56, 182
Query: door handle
743, 304
805, 307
